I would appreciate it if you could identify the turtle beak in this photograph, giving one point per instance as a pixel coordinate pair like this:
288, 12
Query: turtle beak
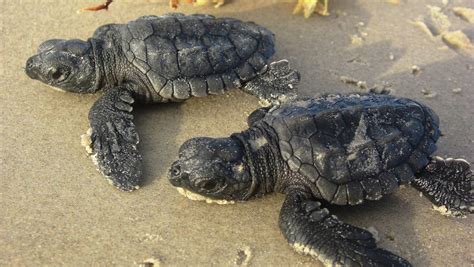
32, 67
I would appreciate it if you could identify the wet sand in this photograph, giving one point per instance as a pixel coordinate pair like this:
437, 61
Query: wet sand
56, 209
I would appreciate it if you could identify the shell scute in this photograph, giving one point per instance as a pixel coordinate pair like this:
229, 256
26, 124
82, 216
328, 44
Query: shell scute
140, 29
370, 143
194, 62
330, 122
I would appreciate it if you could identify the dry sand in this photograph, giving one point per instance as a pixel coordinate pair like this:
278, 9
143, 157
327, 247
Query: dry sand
56, 209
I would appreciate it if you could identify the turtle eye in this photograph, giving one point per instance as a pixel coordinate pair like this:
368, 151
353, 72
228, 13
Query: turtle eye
58, 75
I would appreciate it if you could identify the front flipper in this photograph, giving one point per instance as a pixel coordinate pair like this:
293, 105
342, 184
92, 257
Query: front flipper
311, 230
449, 183
275, 83
114, 139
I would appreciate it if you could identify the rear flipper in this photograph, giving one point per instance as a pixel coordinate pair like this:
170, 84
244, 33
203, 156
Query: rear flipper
275, 83
311, 230
114, 139
449, 183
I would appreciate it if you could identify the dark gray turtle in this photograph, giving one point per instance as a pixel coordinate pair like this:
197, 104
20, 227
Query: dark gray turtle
333, 150
157, 59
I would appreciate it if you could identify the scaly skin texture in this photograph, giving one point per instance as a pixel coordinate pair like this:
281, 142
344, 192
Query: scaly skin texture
448, 183
337, 149
157, 59
111, 122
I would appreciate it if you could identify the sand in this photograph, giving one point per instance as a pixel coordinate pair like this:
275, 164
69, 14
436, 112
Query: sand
56, 209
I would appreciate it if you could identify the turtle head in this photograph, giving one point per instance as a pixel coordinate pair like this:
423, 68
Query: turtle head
213, 168
64, 64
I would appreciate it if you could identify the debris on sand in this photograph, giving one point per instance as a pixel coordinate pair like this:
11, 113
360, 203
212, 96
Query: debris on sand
356, 40
439, 20
457, 90
415, 70
434, 25
423, 27
359, 37
217, 3
349, 80
457, 40
437, 27
360, 28
151, 262
391, 56
104, 6
390, 236
448, 213
150, 238
355, 59
393, 2
173, 4
244, 256
427, 93
362, 85
385, 88
464, 13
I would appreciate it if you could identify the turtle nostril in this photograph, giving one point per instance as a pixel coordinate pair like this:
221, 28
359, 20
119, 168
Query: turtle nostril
176, 170
29, 63
30, 68
177, 177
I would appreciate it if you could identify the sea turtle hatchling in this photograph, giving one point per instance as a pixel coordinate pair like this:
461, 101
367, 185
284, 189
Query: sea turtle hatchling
332, 150
157, 59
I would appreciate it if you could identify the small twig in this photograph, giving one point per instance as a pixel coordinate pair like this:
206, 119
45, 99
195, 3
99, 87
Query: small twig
97, 8
174, 4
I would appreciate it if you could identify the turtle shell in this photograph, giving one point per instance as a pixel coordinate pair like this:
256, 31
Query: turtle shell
192, 55
355, 147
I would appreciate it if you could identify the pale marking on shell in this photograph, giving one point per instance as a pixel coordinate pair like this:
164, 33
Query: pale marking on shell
198, 197
360, 135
